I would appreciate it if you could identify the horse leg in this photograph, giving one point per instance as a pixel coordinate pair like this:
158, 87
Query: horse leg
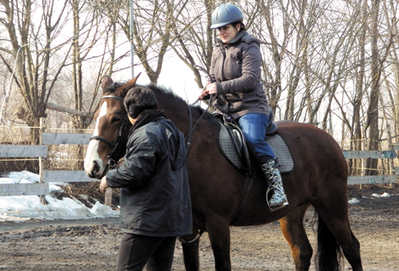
219, 236
342, 232
294, 232
335, 219
190, 246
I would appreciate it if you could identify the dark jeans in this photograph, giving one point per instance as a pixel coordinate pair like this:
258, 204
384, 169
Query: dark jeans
254, 128
136, 250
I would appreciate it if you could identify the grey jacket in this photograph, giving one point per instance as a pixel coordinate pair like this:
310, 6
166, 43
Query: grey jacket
155, 195
236, 69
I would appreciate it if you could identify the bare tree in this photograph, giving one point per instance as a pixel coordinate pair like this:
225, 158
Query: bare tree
152, 28
390, 11
325, 62
276, 37
377, 65
94, 30
36, 51
192, 37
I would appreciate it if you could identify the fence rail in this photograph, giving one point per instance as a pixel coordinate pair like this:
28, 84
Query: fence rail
369, 154
24, 189
46, 176
375, 179
66, 176
12, 151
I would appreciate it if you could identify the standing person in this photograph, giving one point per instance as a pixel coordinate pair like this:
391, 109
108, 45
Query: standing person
236, 73
154, 197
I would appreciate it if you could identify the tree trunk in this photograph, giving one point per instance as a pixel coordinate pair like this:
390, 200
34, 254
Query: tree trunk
372, 112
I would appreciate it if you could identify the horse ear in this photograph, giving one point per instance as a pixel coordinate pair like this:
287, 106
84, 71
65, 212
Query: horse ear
122, 90
106, 82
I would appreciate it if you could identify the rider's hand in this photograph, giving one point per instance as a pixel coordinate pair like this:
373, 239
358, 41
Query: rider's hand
103, 185
203, 94
211, 88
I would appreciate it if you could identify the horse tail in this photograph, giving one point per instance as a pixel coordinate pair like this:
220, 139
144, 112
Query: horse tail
329, 255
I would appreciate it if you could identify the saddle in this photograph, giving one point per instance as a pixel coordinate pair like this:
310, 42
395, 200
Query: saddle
232, 145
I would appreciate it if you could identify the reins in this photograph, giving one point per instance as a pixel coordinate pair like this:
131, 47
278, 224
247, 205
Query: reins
192, 127
188, 144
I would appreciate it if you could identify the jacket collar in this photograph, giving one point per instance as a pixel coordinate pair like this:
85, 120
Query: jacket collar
237, 38
147, 116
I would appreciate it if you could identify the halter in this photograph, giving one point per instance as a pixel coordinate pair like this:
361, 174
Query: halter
114, 145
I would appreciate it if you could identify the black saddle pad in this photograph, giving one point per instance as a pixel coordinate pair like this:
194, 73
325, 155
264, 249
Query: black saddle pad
230, 148
280, 148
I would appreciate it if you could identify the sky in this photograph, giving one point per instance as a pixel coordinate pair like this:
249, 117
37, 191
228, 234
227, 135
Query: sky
24, 208
175, 75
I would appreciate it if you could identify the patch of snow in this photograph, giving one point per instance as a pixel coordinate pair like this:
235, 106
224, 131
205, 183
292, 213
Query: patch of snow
384, 195
22, 208
353, 201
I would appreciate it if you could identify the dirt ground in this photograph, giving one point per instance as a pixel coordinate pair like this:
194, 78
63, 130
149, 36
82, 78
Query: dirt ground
93, 244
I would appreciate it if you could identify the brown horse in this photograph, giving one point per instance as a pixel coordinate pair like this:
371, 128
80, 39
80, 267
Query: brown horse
319, 178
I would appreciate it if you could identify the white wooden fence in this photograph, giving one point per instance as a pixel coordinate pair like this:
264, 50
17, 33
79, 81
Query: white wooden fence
46, 176
375, 179
66, 176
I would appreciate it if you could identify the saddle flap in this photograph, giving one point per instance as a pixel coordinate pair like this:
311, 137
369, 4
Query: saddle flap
230, 144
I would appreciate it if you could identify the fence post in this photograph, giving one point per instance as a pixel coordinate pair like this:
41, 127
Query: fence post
391, 164
41, 161
108, 197
364, 164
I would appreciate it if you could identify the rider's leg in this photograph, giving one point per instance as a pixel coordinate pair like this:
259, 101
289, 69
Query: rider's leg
254, 127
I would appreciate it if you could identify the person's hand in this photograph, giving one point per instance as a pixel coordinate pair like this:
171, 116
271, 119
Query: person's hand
203, 94
211, 89
103, 185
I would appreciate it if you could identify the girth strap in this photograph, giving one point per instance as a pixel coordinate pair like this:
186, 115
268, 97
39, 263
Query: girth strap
246, 192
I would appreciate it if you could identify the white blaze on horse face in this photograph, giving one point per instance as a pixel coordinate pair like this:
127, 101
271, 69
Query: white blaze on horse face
92, 154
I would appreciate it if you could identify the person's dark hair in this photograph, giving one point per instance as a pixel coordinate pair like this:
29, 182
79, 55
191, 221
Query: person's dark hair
138, 99
242, 25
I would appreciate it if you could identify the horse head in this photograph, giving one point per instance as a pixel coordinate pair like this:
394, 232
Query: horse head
107, 145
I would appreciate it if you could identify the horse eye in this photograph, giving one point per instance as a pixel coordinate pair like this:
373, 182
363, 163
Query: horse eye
115, 119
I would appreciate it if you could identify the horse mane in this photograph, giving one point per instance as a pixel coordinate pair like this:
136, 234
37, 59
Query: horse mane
169, 97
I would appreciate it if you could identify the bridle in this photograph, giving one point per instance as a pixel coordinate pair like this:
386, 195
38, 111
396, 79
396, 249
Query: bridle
114, 145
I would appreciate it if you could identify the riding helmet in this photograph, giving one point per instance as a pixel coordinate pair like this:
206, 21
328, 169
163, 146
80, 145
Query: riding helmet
226, 14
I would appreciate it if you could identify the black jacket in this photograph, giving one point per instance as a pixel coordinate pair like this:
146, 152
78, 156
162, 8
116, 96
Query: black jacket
155, 195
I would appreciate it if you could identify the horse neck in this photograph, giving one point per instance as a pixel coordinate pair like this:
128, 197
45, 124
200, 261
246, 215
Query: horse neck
184, 116
179, 117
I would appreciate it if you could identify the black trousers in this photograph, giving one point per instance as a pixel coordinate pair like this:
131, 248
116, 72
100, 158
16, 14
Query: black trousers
136, 251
